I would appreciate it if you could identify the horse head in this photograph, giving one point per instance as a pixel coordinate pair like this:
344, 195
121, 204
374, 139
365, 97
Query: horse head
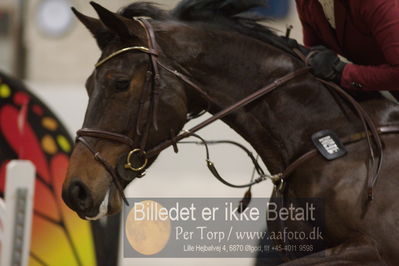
126, 94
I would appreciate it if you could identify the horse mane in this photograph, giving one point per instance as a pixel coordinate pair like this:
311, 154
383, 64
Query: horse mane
208, 10
240, 16
146, 9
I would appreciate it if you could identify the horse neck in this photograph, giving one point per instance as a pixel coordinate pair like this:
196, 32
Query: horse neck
231, 66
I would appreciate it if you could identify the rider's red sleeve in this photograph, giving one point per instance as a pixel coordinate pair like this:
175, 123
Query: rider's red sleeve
378, 20
382, 17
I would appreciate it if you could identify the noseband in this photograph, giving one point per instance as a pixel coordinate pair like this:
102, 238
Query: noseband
152, 90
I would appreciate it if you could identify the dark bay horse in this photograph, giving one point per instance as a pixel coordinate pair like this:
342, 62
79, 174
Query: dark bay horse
218, 46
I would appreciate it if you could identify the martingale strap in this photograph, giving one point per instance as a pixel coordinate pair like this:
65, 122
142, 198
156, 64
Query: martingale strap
370, 129
211, 166
383, 130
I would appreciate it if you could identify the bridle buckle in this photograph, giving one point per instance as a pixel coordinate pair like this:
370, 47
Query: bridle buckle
129, 165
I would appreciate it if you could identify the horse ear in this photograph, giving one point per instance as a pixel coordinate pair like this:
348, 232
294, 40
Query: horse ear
96, 27
118, 24
92, 24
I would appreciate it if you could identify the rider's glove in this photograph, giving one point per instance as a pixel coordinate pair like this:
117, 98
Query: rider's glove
326, 64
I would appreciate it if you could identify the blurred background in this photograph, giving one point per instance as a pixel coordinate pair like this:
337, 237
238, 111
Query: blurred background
43, 44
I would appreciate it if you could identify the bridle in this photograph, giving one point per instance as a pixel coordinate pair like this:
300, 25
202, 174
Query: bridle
152, 89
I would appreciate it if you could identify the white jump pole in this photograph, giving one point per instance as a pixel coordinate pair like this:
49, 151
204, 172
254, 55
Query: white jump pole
19, 192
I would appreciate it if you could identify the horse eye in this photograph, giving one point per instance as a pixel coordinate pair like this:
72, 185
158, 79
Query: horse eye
122, 85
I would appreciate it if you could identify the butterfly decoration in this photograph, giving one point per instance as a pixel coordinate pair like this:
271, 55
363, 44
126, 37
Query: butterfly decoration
30, 131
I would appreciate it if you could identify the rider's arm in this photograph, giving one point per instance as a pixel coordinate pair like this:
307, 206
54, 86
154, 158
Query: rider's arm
310, 36
382, 17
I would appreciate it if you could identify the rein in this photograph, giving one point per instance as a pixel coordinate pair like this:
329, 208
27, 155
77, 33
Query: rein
152, 90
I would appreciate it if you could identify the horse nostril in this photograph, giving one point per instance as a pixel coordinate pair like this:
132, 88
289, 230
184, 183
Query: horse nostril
79, 196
